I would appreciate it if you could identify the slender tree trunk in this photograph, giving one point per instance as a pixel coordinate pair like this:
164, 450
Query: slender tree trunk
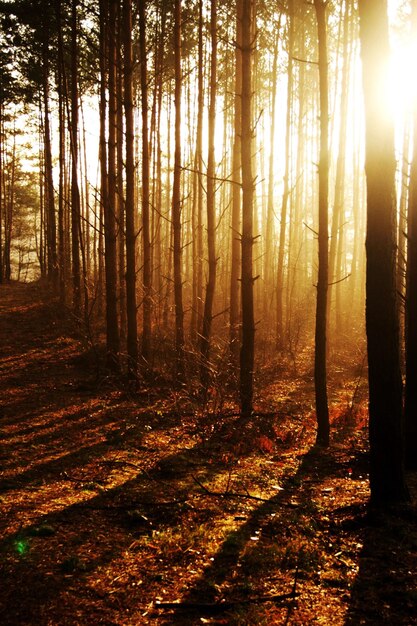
211, 210
339, 187
269, 228
62, 97
49, 182
176, 201
9, 192
286, 191
385, 387
237, 193
120, 200
102, 147
247, 351
296, 251
146, 238
2, 199
402, 230
157, 198
320, 373
196, 313
110, 234
132, 330
75, 192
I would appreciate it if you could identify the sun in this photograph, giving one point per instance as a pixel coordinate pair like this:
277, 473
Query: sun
401, 89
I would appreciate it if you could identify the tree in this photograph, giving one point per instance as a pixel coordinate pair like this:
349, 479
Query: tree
286, 189
49, 182
410, 403
147, 269
247, 350
385, 386
176, 201
320, 369
110, 234
236, 191
75, 191
211, 213
132, 330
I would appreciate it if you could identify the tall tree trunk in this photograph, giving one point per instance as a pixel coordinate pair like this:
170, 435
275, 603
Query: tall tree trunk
110, 234
247, 351
339, 186
132, 330
286, 191
62, 98
103, 58
196, 313
385, 387
320, 373
146, 238
9, 193
52, 259
410, 404
75, 192
2, 199
176, 201
269, 227
211, 210
402, 230
237, 192
120, 204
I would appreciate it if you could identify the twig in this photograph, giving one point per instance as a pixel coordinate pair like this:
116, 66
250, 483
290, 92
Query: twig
335, 282
219, 607
227, 494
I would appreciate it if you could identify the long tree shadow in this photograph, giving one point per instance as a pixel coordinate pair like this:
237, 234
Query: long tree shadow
155, 504
384, 591
242, 557
158, 497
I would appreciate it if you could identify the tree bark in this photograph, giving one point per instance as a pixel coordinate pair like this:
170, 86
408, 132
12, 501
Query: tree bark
339, 186
196, 313
320, 369
52, 259
110, 236
75, 192
176, 202
385, 386
146, 238
211, 211
247, 351
410, 404
132, 329
269, 227
286, 190
237, 194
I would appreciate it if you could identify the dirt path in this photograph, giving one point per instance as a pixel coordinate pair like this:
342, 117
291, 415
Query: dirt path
112, 503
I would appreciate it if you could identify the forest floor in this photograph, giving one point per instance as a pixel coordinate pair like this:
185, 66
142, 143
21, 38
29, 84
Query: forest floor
129, 508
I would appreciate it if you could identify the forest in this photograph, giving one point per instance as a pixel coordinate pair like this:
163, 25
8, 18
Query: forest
208, 312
